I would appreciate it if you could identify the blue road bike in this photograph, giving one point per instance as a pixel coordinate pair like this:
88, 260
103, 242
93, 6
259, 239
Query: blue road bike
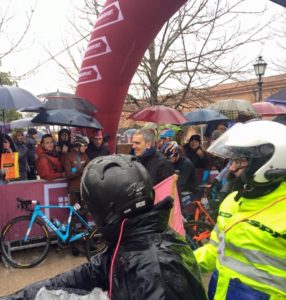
26, 240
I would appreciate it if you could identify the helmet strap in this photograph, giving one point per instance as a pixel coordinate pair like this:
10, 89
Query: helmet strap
257, 191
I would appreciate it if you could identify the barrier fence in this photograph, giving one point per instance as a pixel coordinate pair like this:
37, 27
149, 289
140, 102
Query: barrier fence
46, 192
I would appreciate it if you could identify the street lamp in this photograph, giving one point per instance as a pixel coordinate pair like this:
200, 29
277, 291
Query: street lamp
259, 69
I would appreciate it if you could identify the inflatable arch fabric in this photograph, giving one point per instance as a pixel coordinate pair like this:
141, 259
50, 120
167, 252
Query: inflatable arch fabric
121, 35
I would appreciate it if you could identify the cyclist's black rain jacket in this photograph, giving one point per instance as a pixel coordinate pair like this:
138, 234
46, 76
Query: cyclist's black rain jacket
152, 263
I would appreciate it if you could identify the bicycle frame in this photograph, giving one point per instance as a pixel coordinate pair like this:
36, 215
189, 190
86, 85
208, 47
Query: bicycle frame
200, 209
63, 237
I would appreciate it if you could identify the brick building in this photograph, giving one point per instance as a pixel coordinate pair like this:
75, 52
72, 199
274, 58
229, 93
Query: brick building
247, 90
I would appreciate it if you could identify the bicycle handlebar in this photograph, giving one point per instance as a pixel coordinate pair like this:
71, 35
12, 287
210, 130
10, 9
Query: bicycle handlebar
26, 204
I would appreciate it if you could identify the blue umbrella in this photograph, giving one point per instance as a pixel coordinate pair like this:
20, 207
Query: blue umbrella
4, 128
13, 97
204, 116
280, 2
278, 98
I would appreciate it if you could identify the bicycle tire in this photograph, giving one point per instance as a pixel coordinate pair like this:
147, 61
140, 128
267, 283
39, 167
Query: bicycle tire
16, 251
197, 232
95, 244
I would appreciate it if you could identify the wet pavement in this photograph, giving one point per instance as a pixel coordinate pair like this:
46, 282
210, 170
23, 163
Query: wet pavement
13, 280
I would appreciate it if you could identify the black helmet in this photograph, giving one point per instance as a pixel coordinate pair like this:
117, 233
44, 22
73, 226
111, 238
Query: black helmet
80, 140
116, 186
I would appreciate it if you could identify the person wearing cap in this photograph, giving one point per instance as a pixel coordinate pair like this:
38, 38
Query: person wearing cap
31, 142
187, 181
96, 146
166, 135
75, 162
64, 144
196, 153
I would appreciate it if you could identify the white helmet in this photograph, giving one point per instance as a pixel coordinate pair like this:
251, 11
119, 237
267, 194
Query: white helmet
263, 143
80, 140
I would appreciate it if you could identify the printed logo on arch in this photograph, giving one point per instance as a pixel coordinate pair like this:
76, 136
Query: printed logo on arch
110, 14
89, 74
97, 47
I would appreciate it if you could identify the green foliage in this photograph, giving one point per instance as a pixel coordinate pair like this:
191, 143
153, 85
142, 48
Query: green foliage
5, 79
10, 115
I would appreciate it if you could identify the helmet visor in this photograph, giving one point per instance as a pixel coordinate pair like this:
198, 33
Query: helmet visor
233, 145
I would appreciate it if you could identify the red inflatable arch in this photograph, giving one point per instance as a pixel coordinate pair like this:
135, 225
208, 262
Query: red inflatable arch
121, 35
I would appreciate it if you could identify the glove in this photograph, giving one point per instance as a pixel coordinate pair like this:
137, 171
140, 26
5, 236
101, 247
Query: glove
214, 190
205, 176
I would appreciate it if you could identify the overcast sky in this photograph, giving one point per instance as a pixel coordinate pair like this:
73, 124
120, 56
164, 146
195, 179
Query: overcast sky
50, 27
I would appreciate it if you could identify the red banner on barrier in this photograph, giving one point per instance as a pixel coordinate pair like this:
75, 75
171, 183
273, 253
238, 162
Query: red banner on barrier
46, 192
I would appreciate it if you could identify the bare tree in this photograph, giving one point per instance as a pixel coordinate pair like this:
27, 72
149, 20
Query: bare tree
82, 24
280, 63
196, 49
11, 43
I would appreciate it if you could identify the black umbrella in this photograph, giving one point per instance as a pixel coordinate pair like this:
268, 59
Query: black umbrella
59, 100
66, 117
12, 97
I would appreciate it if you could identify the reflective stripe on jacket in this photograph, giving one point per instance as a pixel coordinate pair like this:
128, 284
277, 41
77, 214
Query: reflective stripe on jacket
248, 244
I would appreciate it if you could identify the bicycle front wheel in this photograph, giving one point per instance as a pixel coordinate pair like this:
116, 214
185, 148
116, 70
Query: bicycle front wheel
24, 254
198, 233
95, 244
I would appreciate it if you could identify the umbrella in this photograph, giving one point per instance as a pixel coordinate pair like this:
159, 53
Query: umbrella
278, 98
173, 127
159, 114
23, 123
204, 116
66, 117
280, 2
61, 100
235, 109
126, 136
12, 97
6, 129
267, 109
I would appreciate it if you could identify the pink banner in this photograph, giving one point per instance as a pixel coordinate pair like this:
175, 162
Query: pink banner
121, 35
168, 187
46, 192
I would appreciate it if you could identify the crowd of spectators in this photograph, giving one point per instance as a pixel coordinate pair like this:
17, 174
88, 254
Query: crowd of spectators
46, 158
65, 157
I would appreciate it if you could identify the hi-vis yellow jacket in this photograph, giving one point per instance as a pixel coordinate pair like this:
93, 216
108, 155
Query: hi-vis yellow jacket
247, 249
